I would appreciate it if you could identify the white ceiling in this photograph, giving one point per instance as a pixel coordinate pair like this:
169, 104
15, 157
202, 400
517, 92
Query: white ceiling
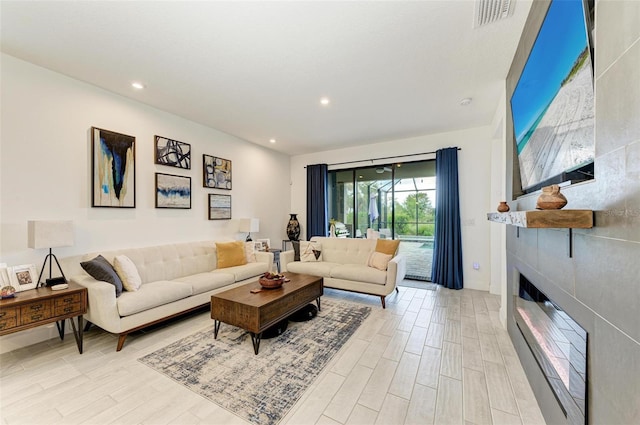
257, 70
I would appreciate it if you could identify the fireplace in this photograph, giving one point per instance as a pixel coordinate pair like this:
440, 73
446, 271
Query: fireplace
559, 345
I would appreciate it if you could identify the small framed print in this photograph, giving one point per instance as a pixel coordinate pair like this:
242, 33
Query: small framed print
257, 246
173, 153
173, 191
216, 172
219, 207
23, 277
264, 243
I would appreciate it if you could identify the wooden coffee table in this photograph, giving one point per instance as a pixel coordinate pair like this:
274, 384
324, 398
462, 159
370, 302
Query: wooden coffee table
255, 312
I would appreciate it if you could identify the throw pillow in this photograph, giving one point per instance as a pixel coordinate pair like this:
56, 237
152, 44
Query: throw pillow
128, 273
250, 252
379, 260
387, 246
231, 254
100, 269
310, 252
296, 250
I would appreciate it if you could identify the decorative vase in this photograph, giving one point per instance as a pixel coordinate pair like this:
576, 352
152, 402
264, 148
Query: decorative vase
551, 198
332, 231
293, 228
503, 206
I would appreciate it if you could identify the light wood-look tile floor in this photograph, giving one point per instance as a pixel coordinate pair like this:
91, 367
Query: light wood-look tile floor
431, 357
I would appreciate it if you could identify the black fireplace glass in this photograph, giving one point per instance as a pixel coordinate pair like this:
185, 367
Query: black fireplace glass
559, 345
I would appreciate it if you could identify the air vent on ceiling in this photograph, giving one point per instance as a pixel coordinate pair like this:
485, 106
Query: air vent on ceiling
488, 11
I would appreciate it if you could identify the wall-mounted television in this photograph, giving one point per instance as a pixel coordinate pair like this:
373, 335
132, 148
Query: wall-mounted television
553, 102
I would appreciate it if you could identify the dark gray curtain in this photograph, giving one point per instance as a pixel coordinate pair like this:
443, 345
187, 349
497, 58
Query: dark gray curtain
446, 269
317, 200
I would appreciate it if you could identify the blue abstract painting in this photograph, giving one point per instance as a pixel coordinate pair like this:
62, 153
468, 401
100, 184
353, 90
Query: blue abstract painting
114, 174
173, 191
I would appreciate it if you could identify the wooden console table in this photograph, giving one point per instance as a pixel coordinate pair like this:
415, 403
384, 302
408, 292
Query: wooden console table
41, 306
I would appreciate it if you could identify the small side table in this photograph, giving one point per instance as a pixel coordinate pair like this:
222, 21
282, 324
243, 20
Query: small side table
276, 256
284, 244
41, 306
286, 241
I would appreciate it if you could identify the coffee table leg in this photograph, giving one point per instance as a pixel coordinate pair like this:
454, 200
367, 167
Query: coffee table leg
255, 340
216, 328
318, 302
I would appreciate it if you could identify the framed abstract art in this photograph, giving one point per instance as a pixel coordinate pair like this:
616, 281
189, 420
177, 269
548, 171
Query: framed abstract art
217, 172
219, 207
173, 191
113, 179
173, 153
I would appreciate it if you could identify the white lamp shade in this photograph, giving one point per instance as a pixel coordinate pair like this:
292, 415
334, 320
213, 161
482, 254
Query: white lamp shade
249, 225
49, 234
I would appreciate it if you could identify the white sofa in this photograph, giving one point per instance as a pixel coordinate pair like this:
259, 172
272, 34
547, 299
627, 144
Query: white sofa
344, 266
176, 279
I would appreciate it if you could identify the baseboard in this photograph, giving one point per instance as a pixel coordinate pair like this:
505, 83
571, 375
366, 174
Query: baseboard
29, 337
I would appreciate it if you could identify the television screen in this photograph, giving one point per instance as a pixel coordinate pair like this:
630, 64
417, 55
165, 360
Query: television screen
553, 104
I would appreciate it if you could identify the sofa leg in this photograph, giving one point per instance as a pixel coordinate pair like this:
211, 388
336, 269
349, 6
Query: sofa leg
382, 301
397, 290
121, 339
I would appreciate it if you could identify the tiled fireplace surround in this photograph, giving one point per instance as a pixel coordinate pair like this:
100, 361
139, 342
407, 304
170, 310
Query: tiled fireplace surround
598, 286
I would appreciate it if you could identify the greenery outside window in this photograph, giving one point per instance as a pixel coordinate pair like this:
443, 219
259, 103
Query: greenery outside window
396, 200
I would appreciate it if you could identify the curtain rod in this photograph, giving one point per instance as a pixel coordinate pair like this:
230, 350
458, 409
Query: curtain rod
386, 157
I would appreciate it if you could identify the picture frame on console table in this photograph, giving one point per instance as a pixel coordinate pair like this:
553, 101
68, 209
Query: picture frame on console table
172, 153
173, 191
219, 207
216, 172
113, 186
4, 276
265, 244
24, 277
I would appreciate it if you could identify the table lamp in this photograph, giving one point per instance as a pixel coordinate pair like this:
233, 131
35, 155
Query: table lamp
50, 234
249, 225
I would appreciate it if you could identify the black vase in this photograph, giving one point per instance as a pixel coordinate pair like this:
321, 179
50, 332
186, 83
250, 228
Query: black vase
293, 228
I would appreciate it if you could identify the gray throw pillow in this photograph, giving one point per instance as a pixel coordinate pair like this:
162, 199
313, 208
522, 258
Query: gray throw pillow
100, 269
296, 250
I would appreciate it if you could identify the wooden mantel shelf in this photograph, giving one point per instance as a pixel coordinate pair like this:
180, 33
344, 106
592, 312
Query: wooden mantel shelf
559, 219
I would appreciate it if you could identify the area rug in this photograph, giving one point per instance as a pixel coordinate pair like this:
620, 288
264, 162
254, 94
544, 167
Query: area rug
259, 388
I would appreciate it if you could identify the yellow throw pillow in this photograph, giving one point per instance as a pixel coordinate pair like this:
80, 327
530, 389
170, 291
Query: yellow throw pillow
379, 260
231, 254
387, 246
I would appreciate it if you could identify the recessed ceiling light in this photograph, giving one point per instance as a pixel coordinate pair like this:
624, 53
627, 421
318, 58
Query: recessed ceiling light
466, 101
137, 85
272, 140
324, 101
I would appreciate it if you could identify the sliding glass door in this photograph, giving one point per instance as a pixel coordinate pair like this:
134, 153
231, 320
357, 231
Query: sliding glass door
414, 211
396, 200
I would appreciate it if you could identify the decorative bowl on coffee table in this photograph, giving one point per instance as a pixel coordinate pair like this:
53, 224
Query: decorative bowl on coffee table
269, 283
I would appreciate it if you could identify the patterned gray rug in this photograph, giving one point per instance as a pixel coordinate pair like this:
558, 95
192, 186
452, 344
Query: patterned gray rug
262, 388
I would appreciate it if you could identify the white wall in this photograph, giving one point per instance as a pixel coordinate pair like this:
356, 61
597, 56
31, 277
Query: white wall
45, 171
498, 193
474, 161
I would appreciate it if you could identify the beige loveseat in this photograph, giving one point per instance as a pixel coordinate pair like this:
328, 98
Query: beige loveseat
344, 266
176, 279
